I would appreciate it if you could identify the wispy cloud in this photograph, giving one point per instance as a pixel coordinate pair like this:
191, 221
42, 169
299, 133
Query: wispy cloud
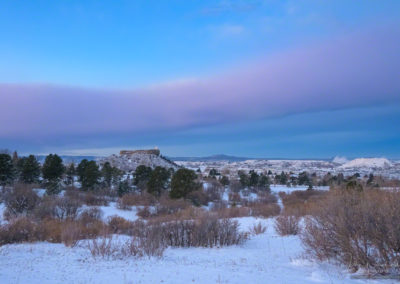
228, 30
358, 70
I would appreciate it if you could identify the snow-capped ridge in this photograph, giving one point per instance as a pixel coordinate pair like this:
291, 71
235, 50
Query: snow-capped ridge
340, 160
368, 163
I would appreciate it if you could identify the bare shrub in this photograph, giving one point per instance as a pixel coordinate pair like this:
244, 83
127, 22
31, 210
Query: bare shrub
235, 198
67, 208
264, 210
218, 205
287, 225
20, 200
301, 202
71, 234
92, 199
233, 212
20, 229
358, 229
168, 205
119, 225
90, 223
258, 229
51, 230
90, 215
206, 231
128, 200
198, 197
151, 242
235, 186
132, 248
102, 247
214, 191
144, 212
57, 207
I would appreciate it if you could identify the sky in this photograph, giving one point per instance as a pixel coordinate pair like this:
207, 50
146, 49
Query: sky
256, 78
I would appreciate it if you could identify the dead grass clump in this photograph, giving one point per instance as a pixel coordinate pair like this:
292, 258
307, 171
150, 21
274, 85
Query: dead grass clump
359, 229
258, 229
287, 225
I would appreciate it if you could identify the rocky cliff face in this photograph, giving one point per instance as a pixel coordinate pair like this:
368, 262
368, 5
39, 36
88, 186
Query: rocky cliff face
130, 160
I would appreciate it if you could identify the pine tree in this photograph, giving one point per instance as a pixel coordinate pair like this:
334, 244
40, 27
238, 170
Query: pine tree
52, 171
30, 171
142, 176
6, 169
224, 181
107, 173
123, 188
70, 174
253, 180
158, 181
183, 182
89, 174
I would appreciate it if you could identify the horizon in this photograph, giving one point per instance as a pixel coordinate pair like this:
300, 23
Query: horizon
245, 78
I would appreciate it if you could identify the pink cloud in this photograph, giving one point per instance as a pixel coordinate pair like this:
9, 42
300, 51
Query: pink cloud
357, 70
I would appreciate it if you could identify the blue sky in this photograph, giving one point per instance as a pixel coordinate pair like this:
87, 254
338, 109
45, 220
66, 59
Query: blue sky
294, 79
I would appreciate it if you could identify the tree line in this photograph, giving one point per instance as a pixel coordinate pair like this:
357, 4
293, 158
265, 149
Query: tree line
91, 176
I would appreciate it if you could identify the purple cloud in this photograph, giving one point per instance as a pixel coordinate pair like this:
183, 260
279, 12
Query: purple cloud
357, 70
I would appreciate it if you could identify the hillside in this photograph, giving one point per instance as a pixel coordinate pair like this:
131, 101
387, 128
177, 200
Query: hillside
130, 160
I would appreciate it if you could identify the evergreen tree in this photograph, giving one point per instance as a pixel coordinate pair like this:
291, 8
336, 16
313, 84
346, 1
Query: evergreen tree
183, 182
107, 173
6, 169
52, 171
142, 176
213, 173
303, 179
224, 181
70, 173
283, 178
253, 180
370, 179
244, 178
89, 174
30, 171
123, 188
263, 181
158, 181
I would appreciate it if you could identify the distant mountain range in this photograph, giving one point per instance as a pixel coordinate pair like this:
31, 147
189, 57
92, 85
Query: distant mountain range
219, 157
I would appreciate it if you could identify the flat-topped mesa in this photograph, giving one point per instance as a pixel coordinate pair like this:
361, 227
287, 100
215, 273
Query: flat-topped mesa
133, 152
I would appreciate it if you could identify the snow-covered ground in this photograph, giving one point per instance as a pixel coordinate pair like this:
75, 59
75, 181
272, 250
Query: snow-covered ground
278, 188
266, 258
112, 210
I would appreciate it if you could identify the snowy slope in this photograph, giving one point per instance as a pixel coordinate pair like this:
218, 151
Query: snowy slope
368, 163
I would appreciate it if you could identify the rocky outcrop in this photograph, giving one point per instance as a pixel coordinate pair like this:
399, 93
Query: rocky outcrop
129, 160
